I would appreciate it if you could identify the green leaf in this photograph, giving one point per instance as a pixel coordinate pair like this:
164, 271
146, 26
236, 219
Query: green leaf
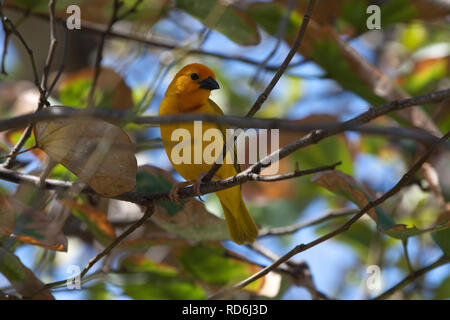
98, 291
401, 231
414, 35
210, 264
156, 285
442, 292
16, 135
111, 90
395, 11
36, 5
22, 279
62, 173
442, 239
148, 11
268, 15
229, 20
76, 93
354, 13
155, 182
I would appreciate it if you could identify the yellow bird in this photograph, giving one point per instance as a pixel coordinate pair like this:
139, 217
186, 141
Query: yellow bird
189, 92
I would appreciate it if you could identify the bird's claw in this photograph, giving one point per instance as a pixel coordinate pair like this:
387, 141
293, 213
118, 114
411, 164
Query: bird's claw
173, 194
197, 184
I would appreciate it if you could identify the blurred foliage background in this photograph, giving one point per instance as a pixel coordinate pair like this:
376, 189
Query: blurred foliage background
341, 69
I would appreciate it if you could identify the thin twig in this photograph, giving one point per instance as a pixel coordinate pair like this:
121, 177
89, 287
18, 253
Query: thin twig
148, 213
290, 175
412, 277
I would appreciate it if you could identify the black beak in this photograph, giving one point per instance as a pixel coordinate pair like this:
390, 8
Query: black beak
209, 84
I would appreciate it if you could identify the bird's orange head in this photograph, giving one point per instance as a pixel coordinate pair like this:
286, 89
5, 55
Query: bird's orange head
192, 86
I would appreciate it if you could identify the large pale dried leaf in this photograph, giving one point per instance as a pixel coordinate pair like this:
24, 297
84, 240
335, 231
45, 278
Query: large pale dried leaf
99, 153
22, 279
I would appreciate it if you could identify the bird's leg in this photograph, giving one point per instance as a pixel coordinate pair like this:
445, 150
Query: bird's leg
198, 182
173, 194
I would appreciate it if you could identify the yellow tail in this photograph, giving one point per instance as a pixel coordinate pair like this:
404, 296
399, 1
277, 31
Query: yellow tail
241, 226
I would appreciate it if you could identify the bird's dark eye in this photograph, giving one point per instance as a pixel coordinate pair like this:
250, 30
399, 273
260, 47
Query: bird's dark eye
194, 76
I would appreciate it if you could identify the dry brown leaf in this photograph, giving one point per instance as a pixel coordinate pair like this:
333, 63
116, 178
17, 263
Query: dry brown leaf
6, 217
341, 183
99, 153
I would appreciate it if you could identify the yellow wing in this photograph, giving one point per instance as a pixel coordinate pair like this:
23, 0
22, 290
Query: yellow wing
223, 128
